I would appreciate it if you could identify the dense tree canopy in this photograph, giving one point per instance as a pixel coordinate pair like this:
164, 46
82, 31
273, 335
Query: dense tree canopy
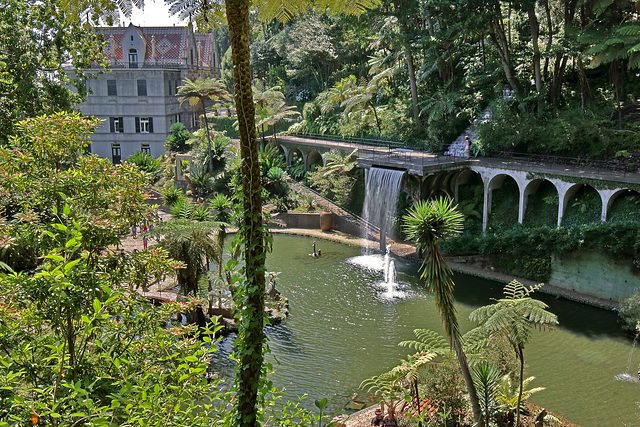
37, 41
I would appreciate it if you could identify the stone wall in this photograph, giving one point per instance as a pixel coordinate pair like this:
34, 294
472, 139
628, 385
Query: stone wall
312, 221
593, 273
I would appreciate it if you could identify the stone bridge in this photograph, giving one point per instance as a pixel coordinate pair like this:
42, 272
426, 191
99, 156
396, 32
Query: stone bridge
429, 174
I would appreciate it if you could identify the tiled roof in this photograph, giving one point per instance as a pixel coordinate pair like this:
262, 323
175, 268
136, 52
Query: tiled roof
170, 44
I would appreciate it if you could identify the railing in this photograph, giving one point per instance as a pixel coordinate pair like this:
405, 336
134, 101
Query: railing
394, 154
406, 158
349, 139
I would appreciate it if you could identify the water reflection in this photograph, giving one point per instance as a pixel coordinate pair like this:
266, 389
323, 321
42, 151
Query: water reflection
342, 331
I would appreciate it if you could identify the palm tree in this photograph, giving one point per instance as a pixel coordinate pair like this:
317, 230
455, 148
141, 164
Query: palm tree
251, 357
191, 243
271, 108
515, 316
427, 223
206, 14
360, 97
197, 92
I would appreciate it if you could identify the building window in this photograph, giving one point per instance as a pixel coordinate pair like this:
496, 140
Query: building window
133, 58
112, 88
194, 120
170, 88
116, 124
142, 88
116, 154
177, 118
145, 148
144, 124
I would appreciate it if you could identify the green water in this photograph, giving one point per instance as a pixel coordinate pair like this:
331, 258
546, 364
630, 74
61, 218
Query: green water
343, 329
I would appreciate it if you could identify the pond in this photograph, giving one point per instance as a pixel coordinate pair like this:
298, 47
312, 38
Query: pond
344, 328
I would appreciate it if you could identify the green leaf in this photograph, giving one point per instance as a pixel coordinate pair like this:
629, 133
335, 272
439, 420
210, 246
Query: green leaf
97, 305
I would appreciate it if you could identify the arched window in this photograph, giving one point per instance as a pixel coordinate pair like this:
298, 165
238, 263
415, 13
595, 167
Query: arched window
133, 58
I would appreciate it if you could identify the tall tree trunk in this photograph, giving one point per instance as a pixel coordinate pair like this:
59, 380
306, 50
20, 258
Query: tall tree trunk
412, 83
375, 114
498, 37
585, 89
206, 125
439, 277
547, 11
535, 33
250, 344
521, 357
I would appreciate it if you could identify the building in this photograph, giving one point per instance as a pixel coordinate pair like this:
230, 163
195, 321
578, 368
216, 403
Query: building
137, 99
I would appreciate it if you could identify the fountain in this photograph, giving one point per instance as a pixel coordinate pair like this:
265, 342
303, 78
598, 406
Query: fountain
627, 375
343, 330
390, 280
381, 199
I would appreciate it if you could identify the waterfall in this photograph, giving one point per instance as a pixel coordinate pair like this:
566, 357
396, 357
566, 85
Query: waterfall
381, 199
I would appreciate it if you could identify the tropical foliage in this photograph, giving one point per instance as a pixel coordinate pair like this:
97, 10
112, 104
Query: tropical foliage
427, 223
515, 316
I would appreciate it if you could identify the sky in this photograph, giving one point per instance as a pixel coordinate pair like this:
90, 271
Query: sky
155, 14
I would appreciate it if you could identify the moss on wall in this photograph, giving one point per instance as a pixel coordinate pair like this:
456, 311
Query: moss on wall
593, 273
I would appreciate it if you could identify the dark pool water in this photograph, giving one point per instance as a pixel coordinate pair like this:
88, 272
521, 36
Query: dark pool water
344, 328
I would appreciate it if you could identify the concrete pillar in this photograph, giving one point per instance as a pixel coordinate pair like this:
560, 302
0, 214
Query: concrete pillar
605, 197
486, 207
522, 201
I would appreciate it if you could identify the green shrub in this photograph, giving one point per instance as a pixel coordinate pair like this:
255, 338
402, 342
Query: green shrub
224, 124
177, 138
629, 312
144, 161
445, 390
172, 195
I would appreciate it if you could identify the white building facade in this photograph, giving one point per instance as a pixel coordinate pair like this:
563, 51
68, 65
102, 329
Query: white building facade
137, 100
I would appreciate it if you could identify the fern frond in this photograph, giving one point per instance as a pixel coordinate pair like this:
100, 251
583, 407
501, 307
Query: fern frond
348, 7
629, 30
283, 10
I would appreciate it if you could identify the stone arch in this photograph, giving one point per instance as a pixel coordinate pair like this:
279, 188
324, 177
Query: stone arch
464, 177
468, 190
285, 152
295, 156
440, 183
502, 185
314, 158
621, 202
582, 203
537, 192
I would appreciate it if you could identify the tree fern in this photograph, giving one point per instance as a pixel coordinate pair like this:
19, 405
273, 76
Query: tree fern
428, 341
516, 316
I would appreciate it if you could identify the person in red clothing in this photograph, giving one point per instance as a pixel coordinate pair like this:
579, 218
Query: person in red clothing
467, 145
390, 419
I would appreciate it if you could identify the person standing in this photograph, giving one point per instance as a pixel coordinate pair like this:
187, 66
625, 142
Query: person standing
390, 419
467, 143
145, 241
